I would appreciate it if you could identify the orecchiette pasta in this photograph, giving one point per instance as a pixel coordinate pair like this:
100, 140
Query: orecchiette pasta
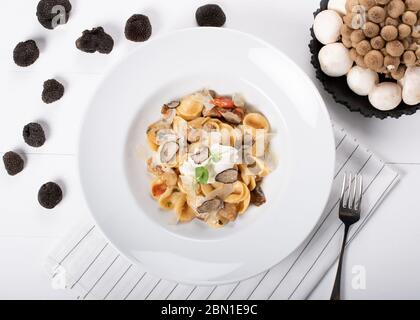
190, 108
240, 191
256, 121
166, 200
158, 188
183, 211
244, 204
208, 158
212, 125
198, 122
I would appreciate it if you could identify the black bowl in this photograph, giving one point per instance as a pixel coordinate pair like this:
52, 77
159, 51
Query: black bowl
341, 92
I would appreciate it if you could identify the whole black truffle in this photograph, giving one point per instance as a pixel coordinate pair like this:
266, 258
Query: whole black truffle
49, 195
210, 15
13, 163
53, 91
34, 135
138, 28
52, 13
95, 40
25, 53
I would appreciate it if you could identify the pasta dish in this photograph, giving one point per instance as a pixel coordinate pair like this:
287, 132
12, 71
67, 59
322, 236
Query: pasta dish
208, 158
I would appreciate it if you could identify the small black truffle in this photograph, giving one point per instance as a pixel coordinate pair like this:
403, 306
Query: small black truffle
138, 28
52, 13
34, 135
210, 15
50, 195
25, 53
53, 91
13, 163
95, 40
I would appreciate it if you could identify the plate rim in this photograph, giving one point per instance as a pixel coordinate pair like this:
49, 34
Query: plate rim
150, 42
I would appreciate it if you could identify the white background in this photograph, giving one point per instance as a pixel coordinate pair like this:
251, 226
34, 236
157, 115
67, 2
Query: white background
387, 247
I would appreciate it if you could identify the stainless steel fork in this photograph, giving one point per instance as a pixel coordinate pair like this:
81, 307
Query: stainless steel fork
349, 213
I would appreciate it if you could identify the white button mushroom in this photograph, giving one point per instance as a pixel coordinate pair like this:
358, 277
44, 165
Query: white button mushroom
338, 5
327, 26
411, 86
361, 81
386, 96
335, 60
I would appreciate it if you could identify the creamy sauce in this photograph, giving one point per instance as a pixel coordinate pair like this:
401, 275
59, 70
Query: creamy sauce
221, 158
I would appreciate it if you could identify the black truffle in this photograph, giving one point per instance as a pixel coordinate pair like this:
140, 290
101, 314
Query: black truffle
49, 195
95, 40
210, 15
13, 163
52, 13
138, 28
53, 91
34, 135
25, 53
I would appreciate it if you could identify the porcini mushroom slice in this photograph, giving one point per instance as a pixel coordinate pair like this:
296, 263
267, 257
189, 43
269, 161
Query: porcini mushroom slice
210, 206
232, 117
168, 152
228, 176
229, 212
201, 155
258, 196
213, 113
173, 104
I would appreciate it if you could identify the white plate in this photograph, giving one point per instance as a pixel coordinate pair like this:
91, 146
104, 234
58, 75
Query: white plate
116, 183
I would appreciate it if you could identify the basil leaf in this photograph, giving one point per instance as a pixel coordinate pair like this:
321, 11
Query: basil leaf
201, 175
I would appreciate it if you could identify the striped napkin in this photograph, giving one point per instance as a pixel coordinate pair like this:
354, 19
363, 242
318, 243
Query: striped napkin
88, 265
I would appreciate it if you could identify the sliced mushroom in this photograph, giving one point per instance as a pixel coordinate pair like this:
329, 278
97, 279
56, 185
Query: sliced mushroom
231, 117
228, 176
258, 196
201, 155
168, 152
213, 113
236, 116
210, 206
229, 212
173, 104
165, 135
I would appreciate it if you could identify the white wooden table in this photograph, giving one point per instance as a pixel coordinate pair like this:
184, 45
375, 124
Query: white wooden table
387, 247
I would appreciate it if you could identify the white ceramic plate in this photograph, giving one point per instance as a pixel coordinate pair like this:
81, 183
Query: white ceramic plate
116, 182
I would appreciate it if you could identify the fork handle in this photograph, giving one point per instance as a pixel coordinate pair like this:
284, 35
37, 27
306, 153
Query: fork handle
335, 295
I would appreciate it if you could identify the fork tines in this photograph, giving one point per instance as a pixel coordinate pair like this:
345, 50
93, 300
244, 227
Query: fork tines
352, 191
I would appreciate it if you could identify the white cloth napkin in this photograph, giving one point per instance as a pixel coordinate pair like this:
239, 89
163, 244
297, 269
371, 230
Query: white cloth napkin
88, 265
